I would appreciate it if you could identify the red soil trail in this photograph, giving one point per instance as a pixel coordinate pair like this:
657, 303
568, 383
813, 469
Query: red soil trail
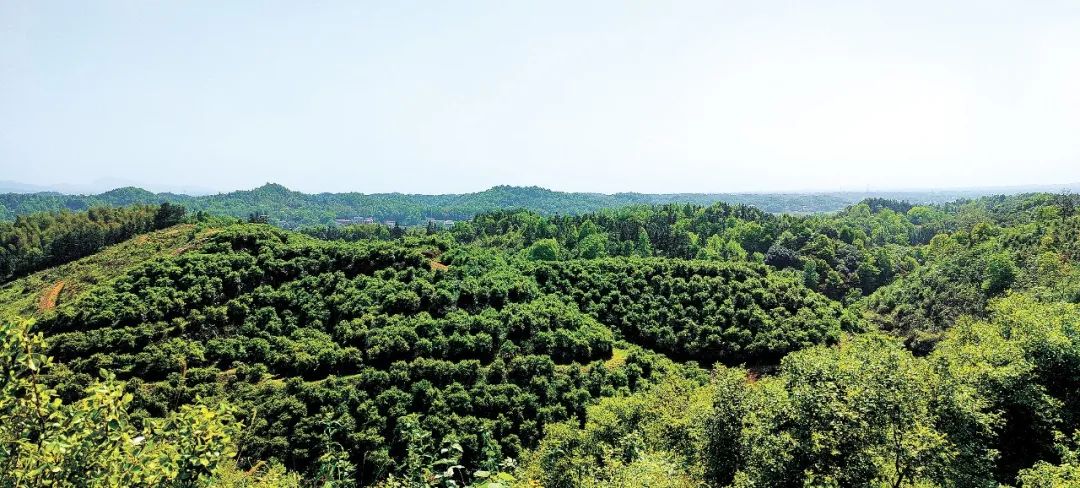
48, 300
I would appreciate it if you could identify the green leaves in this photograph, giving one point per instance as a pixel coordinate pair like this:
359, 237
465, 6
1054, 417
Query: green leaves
855, 415
92, 442
544, 250
695, 310
40, 240
435, 361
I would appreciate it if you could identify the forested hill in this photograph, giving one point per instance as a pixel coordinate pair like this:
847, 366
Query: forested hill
293, 209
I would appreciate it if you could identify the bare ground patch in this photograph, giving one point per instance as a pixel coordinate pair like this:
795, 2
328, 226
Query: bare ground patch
49, 298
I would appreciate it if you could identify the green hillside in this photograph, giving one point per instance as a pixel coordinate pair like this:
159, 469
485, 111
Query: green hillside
36, 294
266, 318
667, 345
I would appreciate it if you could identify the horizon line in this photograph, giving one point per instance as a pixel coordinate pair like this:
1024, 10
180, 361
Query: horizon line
57, 188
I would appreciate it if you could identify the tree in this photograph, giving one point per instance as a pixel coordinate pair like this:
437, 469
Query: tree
724, 452
1067, 202
40, 240
811, 277
593, 246
1001, 271
168, 214
781, 257
642, 245
258, 218
719, 248
860, 414
1011, 380
544, 250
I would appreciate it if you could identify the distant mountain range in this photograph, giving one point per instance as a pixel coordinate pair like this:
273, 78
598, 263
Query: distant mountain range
93, 187
293, 209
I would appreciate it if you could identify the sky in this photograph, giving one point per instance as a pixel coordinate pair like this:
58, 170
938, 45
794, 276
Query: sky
448, 97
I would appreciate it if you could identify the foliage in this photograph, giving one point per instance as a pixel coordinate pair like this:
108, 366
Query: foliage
1046, 475
963, 270
705, 311
860, 414
857, 251
985, 409
42, 240
652, 438
25, 296
543, 250
409, 356
1023, 363
294, 209
93, 441
304, 333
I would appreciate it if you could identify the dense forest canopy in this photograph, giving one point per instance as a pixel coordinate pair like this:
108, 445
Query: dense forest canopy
890, 343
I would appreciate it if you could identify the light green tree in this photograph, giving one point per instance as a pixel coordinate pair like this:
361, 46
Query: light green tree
593, 246
544, 250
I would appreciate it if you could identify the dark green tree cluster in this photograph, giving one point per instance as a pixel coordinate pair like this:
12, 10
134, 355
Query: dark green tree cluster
352, 233
709, 312
93, 441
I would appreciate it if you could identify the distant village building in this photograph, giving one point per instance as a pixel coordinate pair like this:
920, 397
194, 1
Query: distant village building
440, 222
354, 220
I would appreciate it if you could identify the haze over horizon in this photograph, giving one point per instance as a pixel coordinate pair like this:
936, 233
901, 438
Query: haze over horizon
106, 185
696, 96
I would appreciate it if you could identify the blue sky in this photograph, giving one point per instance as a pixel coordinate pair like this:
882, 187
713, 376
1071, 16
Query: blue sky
441, 97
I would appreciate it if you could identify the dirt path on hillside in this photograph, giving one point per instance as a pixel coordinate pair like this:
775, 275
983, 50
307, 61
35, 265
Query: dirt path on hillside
199, 241
48, 300
433, 260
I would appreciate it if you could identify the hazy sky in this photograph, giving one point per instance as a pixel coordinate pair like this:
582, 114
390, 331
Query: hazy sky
455, 96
